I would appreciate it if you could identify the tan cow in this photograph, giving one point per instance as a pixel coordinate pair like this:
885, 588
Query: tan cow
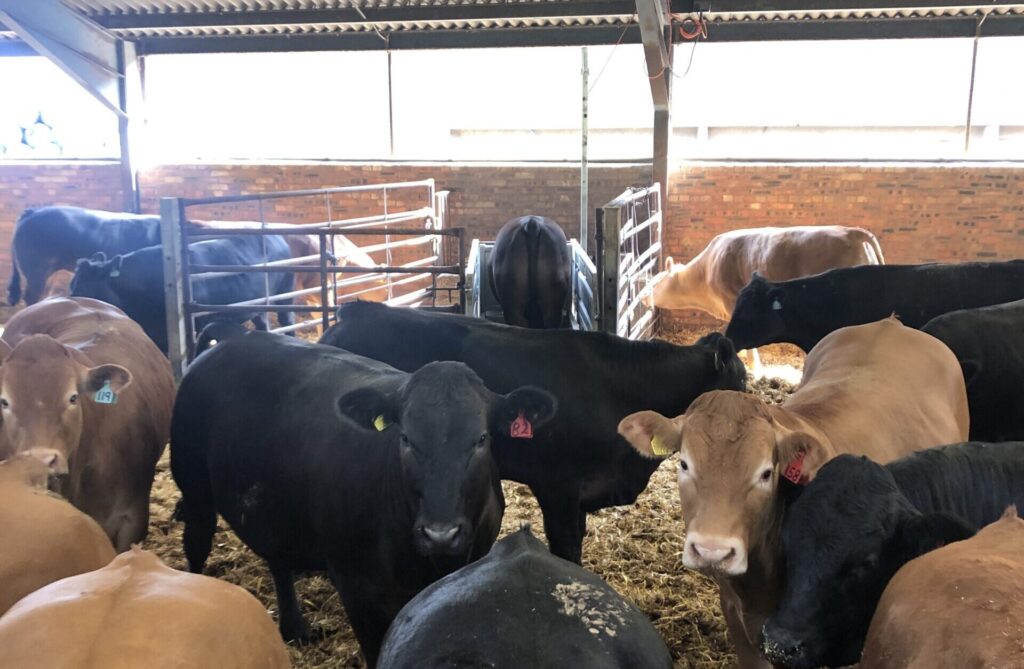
879, 389
714, 278
137, 612
959, 606
87, 392
44, 539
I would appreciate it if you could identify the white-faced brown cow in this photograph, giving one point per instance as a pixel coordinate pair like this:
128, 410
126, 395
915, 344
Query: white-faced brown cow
880, 389
959, 606
137, 612
45, 539
712, 280
84, 389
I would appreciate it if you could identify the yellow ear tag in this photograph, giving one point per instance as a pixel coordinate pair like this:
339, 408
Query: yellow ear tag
380, 423
659, 447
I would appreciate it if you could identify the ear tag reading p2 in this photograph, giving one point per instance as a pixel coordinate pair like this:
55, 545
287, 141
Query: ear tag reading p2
520, 428
105, 395
380, 423
658, 446
795, 469
776, 306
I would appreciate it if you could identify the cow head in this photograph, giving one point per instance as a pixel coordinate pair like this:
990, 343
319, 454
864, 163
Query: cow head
97, 277
759, 315
732, 453
844, 538
671, 288
445, 418
44, 387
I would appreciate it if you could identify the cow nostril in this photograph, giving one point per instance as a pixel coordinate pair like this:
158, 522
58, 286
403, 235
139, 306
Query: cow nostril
443, 534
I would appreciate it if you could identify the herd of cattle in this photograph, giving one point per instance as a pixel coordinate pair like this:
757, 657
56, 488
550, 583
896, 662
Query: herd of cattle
840, 526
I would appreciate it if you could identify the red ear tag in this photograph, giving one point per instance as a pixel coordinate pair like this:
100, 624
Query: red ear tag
794, 470
521, 428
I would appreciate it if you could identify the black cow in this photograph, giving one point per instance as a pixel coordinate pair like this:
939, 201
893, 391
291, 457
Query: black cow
53, 238
522, 607
321, 458
989, 342
802, 311
531, 272
858, 522
578, 463
134, 282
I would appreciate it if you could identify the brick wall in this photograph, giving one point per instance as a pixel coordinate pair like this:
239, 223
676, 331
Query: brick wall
919, 212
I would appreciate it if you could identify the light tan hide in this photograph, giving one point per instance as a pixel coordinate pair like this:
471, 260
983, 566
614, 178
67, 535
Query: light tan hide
44, 539
137, 612
879, 389
714, 278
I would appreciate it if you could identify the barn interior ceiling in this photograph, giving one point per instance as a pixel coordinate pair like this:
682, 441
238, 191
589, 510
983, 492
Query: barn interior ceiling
211, 26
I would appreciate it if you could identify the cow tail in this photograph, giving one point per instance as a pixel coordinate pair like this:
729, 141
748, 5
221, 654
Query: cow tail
218, 331
14, 287
532, 230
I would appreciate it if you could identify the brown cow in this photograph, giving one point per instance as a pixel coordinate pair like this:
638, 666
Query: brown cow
959, 606
880, 389
45, 539
87, 392
712, 280
137, 612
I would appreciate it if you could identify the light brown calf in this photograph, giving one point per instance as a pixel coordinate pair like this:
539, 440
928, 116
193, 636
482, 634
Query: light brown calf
137, 612
84, 389
959, 606
879, 389
714, 278
44, 539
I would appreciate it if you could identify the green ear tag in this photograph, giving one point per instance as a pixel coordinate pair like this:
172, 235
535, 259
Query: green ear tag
658, 446
105, 395
380, 423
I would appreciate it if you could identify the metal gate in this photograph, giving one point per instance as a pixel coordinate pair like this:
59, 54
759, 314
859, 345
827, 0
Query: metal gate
629, 248
481, 301
420, 233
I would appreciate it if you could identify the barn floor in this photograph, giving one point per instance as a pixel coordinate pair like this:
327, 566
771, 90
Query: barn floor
636, 549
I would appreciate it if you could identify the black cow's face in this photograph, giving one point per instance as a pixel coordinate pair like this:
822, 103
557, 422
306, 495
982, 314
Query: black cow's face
446, 418
93, 278
730, 373
843, 539
758, 315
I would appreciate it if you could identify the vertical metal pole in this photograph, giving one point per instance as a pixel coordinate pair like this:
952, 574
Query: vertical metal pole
391, 113
462, 268
128, 90
323, 282
611, 224
584, 168
266, 259
174, 294
970, 91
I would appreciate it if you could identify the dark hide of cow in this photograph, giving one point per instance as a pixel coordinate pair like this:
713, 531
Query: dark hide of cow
803, 311
989, 343
578, 463
134, 282
858, 522
549, 613
319, 458
531, 272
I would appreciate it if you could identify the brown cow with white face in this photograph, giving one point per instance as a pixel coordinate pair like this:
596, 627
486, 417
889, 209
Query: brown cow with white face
137, 612
879, 389
45, 539
714, 278
959, 606
83, 389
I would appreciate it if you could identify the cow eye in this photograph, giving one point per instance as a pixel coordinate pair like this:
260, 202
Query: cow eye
4, 404
73, 399
766, 476
482, 440
682, 465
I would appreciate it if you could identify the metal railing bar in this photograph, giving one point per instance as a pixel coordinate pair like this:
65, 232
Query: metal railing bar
254, 197
202, 271
336, 226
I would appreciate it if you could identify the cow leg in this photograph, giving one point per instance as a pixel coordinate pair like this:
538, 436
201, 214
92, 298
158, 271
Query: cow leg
565, 522
200, 524
365, 614
35, 283
286, 318
259, 321
293, 625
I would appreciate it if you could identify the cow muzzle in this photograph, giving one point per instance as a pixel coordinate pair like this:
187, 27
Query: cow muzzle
54, 460
442, 538
724, 555
783, 648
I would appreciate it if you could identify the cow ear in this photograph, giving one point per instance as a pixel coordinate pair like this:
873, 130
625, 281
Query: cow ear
669, 263
725, 351
370, 408
95, 378
522, 411
971, 369
920, 534
651, 434
800, 455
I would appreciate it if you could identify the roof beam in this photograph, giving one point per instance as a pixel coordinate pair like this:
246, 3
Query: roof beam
653, 18
876, 28
85, 51
725, 6
369, 15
